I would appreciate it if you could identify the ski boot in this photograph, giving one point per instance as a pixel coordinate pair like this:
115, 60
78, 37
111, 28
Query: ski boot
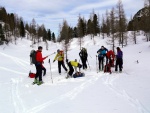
35, 81
40, 82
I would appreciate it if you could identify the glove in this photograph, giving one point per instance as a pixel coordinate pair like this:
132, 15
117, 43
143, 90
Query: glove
53, 60
66, 60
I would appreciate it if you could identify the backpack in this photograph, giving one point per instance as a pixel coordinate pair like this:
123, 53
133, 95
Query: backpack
78, 74
107, 68
83, 53
32, 75
32, 57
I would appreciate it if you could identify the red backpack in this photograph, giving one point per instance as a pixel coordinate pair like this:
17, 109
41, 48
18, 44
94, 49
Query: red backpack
32, 75
107, 68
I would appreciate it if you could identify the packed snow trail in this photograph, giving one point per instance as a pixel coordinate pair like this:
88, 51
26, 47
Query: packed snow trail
110, 80
19, 107
70, 94
23, 64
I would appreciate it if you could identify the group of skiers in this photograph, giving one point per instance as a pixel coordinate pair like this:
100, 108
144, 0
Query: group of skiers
110, 56
102, 54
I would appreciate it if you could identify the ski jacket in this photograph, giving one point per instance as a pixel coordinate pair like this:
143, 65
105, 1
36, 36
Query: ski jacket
119, 54
101, 53
83, 54
59, 56
110, 54
39, 58
73, 63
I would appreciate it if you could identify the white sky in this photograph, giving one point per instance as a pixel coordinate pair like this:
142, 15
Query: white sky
52, 12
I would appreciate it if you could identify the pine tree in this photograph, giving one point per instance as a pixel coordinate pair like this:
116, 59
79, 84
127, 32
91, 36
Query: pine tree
65, 36
3, 14
107, 23
81, 30
64, 31
2, 37
146, 19
121, 22
53, 37
49, 35
33, 30
112, 27
22, 29
45, 36
103, 27
75, 32
96, 25
89, 27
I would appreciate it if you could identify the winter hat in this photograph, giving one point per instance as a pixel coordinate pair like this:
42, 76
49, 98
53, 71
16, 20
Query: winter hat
118, 48
40, 47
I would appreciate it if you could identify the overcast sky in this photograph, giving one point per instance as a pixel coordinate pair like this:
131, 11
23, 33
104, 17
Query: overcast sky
52, 12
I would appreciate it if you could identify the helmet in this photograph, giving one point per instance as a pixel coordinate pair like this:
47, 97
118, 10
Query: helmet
58, 51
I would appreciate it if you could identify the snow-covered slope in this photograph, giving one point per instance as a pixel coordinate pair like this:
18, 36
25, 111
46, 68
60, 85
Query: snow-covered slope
126, 92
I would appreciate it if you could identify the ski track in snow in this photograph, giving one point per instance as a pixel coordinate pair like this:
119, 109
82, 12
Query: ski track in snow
71, 95
6, 69
16, 100
132, 101
21, 63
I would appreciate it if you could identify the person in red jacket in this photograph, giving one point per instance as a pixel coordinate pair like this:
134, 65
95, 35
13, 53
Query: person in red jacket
38, 65
110, 55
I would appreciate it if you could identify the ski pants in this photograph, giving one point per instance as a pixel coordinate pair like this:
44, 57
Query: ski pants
59, 66
119, 62
107, 60
38, 71
71, 70
44, 69
101, 63
84, 63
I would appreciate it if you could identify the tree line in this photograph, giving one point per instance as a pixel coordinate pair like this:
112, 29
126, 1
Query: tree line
13, 27
113, 24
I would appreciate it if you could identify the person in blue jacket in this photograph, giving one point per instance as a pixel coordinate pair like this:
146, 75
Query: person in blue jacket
119, 60
101, 54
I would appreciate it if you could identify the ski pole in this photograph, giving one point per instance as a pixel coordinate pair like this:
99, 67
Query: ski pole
89, 65
52, 54
50, 70
90, 56
96, 64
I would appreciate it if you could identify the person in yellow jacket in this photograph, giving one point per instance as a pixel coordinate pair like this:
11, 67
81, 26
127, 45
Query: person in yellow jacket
60, 57
72, 64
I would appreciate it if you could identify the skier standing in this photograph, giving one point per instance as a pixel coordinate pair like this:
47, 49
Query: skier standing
119, 60
83, 56
60, 57
101, 54
110, 55
38, 65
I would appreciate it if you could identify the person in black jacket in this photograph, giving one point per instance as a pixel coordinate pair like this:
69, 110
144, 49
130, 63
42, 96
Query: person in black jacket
83, 56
